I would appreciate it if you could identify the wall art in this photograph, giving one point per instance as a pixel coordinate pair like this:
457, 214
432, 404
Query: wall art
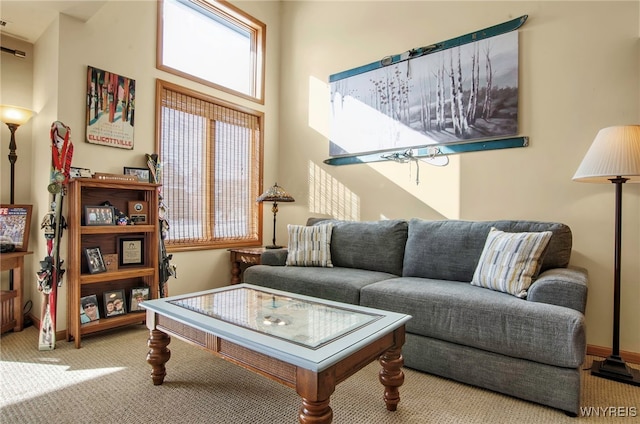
110, 109
433, 95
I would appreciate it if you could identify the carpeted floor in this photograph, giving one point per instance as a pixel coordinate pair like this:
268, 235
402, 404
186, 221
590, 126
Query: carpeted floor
108, 380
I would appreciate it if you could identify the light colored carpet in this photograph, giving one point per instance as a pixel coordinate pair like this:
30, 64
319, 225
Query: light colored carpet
108, 380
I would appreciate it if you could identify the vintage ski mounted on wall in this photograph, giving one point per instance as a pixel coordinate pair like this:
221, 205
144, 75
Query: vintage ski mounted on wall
432, 148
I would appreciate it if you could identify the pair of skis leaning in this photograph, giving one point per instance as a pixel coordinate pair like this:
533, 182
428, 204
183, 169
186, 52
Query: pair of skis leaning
51, 272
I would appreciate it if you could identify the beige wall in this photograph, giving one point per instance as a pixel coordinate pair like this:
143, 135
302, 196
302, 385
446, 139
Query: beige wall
119, 38
579, 72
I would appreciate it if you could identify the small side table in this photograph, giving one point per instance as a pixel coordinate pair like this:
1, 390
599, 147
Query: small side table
12, 317
243, 256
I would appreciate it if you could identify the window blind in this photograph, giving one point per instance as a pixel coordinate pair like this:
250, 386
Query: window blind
210, 153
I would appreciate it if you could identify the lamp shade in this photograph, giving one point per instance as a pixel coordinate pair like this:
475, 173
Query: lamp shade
15, 114
615, 152
275, 194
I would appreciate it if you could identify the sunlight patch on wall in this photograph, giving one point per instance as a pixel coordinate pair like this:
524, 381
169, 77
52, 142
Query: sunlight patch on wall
439, 187
327, 196
319, 98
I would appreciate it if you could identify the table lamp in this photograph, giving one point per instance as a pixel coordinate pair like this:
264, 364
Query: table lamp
275, 194
614, 157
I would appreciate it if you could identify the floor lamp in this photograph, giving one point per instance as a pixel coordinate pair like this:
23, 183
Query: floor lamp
14, 116
275, 194
614, 157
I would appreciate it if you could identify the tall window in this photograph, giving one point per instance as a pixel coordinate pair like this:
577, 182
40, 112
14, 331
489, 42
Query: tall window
214, 43
211, 155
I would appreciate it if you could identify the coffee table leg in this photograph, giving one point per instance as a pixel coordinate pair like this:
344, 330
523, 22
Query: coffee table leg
158, 355
316, 390
391, 376
313, 412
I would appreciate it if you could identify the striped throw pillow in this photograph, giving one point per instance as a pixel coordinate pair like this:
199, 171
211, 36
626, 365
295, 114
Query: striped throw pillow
309, 246
510, 262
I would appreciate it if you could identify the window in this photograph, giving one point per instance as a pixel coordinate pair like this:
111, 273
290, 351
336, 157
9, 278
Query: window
211, 154
213, 43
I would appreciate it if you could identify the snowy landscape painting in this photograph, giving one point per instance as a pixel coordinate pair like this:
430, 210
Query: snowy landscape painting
465, 93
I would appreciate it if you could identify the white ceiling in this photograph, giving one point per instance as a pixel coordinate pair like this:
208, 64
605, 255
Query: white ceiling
27, 19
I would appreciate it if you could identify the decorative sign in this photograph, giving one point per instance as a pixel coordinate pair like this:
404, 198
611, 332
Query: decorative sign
138, 211
110, 109
464, 93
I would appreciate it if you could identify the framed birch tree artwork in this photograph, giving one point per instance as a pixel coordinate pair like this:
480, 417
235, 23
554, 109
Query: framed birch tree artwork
464, 93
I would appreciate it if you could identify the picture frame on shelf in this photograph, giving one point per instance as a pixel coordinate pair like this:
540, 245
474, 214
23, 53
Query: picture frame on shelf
130, 251
89, 310
139, 295
143, 174
98, 215
95, 261
114, 304
79, 172
15, 222
111, 262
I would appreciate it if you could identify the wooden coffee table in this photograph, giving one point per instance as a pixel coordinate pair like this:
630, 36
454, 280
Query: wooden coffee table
302, 342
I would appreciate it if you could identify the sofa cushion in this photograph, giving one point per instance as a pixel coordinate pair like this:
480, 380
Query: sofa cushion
510, 261
309, 246
431, 246
371, 245
460, 313
337, 284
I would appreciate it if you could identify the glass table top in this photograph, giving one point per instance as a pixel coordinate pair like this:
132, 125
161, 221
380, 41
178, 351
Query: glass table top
307, 323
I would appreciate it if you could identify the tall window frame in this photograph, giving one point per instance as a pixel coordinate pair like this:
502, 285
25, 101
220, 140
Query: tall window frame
211, 156
218, 14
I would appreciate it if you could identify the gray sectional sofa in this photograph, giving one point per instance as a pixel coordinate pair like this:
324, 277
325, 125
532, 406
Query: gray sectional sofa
531, 348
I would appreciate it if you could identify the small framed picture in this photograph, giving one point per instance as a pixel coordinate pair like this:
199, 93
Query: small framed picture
79, 172
138, 295
111, 261
130, 251
114, 303
15, 221
95, 261
98, 215
89, 309
142, 174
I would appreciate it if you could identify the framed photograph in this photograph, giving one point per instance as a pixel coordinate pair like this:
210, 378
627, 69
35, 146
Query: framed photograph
95, 261
111, 261
110, 105
15, 221
98, 215
138, 211
142, 174
130, 251
89, 309
114, 303
79, 172
138, 295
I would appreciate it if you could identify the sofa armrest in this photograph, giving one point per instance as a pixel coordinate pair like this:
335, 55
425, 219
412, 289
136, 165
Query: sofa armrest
274, 257
561, 286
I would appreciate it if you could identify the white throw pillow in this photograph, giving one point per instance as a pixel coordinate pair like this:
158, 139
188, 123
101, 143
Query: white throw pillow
510, 262
309, 245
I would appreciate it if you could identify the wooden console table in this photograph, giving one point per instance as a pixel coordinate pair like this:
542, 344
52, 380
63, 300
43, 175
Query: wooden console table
243, 256
11, 304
